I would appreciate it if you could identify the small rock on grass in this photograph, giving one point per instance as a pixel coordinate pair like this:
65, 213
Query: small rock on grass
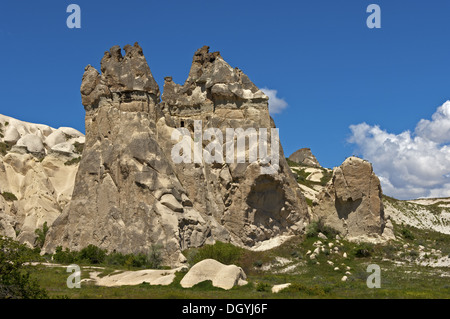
322, 236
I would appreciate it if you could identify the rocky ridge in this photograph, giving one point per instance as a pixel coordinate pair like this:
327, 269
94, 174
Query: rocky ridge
431, 214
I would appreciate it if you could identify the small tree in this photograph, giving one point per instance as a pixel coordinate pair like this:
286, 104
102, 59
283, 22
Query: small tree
154, 257
41, 234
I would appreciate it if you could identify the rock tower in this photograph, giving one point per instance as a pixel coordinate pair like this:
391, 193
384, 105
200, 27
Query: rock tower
129, 191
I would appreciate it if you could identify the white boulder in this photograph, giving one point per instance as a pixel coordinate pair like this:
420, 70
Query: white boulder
278, 288
57, 137
222, 276
11, 135
65, 147
71, 131
32, 143
322, 236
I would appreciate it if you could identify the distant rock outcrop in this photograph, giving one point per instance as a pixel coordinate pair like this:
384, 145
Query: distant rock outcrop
352, 202
37, 139
304, 157
35, 180
130, 194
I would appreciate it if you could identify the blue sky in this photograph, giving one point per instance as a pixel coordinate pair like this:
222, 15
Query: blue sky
331, 69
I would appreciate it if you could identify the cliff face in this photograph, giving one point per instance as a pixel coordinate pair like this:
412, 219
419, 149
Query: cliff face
251, 205
131, 191
37, 173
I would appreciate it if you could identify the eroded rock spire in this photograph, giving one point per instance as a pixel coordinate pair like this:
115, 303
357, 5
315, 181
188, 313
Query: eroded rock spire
129, 192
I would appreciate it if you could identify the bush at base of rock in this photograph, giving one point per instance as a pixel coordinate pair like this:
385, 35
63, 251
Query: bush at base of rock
319, 226
94, 255
223, 252
364, 250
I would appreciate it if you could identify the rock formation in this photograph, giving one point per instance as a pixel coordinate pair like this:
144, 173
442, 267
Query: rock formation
131, 194
252, 206
153, 277
352, 201
34, 175
304, 157
222, 276
39, 140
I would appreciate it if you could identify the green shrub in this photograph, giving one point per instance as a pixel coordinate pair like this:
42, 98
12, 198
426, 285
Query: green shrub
326, 177
78, 147
263, 287
407, 234
116, 259
10, 197
73, 161
92, 254
223, 252
292, 163
316, 227
258, 263
363, 250
65, 257
95, 255
413, 254
302, 177
15, 282
4, 148
155, 258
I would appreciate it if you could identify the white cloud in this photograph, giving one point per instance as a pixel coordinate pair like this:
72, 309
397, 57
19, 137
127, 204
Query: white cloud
410, 165
276, 105
438, 129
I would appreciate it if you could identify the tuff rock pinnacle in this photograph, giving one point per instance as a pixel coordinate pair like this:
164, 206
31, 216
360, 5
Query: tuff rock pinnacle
129, 193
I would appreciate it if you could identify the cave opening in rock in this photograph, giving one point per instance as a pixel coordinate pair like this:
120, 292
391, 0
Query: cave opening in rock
266, 198
345, 208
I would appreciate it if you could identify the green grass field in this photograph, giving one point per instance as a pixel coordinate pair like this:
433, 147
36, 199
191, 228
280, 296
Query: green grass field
401, 275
